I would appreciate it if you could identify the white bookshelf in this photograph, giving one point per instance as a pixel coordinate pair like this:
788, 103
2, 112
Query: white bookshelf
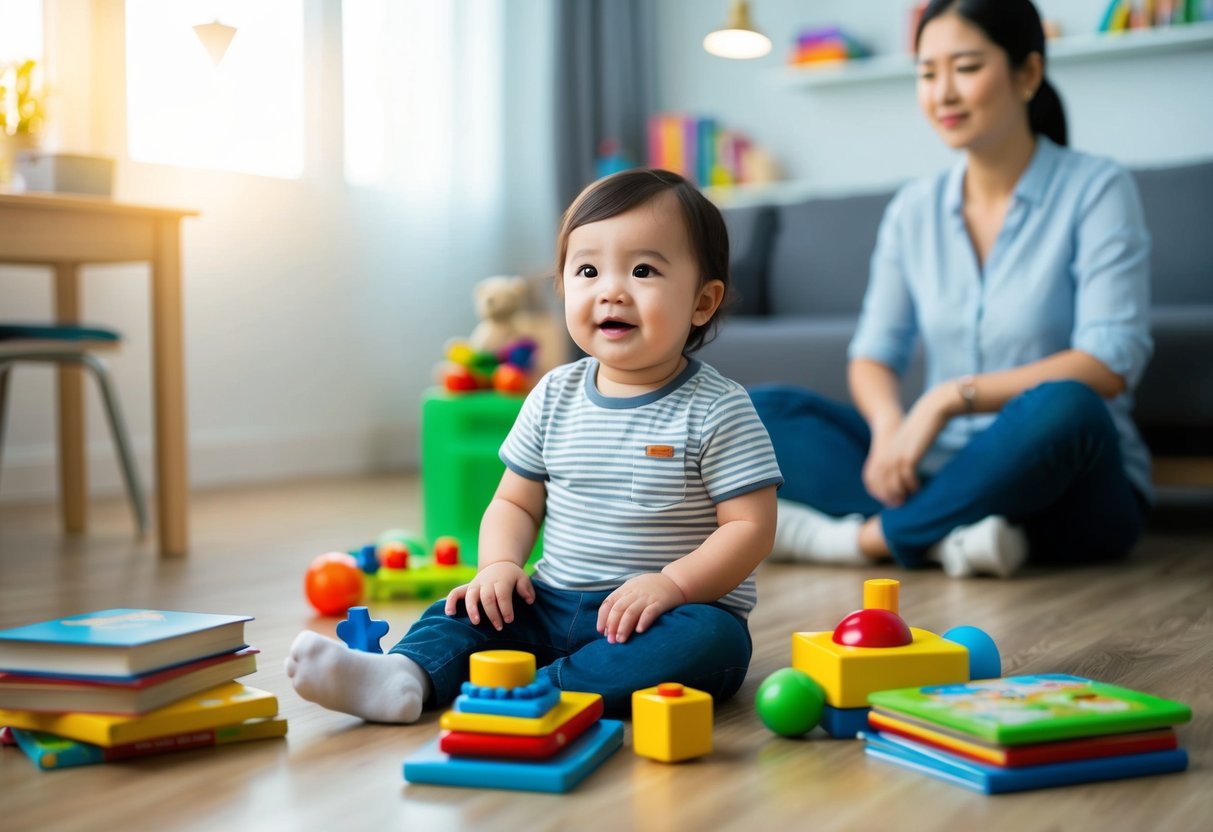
1075, 49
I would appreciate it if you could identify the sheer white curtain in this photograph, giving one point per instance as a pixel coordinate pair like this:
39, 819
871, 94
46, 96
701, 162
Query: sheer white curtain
424, 93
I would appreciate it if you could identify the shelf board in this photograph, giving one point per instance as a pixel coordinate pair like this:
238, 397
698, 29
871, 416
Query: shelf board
1079, 48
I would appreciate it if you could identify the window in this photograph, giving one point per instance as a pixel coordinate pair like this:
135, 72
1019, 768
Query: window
243, 114
20, 43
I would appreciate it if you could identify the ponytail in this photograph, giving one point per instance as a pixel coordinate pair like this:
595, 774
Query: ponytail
1046, 116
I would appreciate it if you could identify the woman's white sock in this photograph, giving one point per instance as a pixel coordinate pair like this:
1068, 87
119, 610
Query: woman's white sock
807, 535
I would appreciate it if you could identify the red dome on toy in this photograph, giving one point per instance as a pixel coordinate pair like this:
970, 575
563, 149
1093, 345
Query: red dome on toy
873, 628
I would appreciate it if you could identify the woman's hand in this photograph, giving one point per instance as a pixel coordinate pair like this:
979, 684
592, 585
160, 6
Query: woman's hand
493, 590
890, 472
636, 605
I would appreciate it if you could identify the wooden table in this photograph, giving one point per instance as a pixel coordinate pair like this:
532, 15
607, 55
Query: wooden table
64, 233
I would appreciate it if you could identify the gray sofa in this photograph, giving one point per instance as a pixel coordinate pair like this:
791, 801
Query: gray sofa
801, 269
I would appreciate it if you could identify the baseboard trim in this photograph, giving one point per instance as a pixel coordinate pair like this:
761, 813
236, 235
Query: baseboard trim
31, 475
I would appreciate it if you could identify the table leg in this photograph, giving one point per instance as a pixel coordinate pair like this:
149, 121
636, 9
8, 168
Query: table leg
73, 466
168, 385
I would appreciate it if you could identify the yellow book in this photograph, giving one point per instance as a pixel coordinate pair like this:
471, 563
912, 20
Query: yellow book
226, 704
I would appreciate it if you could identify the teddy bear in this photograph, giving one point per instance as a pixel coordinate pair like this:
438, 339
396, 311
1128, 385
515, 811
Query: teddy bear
499, 300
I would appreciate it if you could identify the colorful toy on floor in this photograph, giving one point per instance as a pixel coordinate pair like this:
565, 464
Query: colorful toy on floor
333, 583
508, 731
789, 702
671, 723
873, 649
361, 632
398, 564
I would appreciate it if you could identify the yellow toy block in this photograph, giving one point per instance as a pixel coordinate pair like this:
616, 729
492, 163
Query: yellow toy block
571, 704
501, 668
849, 674
671, 722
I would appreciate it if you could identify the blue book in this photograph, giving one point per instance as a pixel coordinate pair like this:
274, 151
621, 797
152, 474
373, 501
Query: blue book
997, 780
119, 643
556, 774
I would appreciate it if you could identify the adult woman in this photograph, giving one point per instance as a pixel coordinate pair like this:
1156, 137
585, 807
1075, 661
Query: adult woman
1024, 270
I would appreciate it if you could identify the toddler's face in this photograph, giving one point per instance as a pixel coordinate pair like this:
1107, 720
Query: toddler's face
632, 292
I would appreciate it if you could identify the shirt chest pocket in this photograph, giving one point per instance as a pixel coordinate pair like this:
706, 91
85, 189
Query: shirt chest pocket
659, 473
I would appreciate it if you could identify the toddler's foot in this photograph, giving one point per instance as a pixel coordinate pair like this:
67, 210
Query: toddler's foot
808, 535
989, 547
377, 687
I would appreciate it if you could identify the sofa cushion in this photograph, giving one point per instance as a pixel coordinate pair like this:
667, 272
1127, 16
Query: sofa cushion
1178, 204
751, 231
819, 265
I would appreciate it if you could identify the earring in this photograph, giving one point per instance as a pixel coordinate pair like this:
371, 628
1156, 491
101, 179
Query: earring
1028, 95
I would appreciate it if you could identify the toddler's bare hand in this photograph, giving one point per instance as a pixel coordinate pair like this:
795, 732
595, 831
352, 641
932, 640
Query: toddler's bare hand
636, 605
493, 591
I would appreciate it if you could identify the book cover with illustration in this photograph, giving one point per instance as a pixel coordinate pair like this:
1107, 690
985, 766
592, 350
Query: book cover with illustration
119, 642
226, 704
48, 751
1018, 710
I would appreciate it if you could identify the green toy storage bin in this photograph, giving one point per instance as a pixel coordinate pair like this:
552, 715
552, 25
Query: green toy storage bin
461, 434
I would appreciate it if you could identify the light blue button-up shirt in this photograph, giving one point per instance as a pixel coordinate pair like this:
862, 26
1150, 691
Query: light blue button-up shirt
1069, 270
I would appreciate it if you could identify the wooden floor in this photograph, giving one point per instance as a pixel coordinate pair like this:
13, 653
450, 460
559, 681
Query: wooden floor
1146, 624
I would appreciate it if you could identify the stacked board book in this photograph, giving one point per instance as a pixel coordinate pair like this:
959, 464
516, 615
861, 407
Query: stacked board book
123, 683
1026, 732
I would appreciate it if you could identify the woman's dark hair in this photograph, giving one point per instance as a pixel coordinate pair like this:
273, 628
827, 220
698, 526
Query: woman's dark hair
621, 192
1014, 25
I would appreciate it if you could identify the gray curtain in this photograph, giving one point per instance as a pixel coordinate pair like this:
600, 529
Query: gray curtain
605, 71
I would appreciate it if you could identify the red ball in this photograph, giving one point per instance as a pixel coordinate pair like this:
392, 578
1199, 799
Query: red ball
509, 379
334, 583
873, 628
446, 551
459, 380
394, 555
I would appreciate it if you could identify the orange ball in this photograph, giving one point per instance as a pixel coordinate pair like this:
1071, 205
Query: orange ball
509, 379
333, 583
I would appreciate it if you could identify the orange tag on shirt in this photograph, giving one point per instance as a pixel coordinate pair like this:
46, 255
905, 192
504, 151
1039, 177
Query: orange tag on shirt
666, 451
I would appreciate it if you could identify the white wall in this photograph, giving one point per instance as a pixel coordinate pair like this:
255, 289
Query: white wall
314, 312
1138, 109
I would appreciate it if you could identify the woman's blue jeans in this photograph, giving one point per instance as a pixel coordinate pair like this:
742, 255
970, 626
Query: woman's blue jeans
1050, 463
703, 646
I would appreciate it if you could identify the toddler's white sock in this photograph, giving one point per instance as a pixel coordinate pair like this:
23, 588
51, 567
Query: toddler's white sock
379, 687
988, 547
808, 535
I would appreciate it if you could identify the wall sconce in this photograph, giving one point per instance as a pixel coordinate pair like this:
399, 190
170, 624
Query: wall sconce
215, 38
737, 38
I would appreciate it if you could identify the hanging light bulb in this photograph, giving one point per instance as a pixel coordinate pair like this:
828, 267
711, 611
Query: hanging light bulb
215, 38
737, 38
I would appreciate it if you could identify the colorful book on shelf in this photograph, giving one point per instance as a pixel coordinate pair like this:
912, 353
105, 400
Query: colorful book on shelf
1058, 751
120, 642
1019, 710
133, 695
48, 751
997, 780
226, 704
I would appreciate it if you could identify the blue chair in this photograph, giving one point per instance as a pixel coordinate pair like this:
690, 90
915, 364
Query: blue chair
70, 344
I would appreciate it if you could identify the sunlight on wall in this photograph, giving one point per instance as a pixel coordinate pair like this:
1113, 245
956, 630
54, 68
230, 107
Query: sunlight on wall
20, 30
245, 115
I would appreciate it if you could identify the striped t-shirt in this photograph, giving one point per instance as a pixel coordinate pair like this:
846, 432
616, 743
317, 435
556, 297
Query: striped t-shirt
633, 483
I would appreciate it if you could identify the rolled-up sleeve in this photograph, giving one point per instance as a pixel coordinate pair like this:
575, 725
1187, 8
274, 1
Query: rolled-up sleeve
1112, 279
887, 324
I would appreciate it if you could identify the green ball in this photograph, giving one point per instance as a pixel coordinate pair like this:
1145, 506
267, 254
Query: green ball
789, 702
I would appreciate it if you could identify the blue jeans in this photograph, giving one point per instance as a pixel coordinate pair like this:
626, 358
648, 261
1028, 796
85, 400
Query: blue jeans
703, 646
1050, 462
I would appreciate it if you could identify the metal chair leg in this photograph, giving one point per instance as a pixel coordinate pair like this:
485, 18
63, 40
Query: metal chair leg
121, 439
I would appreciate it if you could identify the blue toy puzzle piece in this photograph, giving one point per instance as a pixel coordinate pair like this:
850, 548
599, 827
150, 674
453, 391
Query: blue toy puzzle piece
557, 774
531, 701
844, 723
361, 632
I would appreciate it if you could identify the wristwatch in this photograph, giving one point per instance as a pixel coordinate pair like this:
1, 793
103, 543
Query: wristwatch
968, 392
